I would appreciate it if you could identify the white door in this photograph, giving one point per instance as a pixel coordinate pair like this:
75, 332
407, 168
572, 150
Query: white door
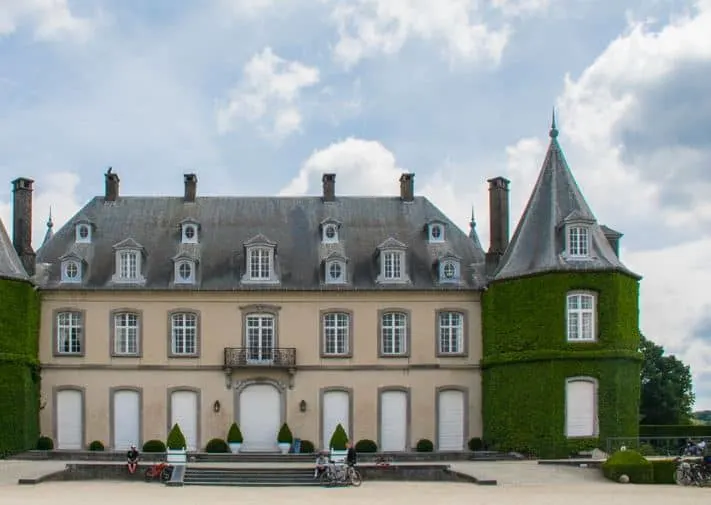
580, 408
260, 417
393, 421
451, 421
70, 408
335, 411
184, 412
127, 419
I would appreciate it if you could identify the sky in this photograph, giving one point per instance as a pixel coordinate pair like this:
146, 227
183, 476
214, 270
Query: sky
261, 97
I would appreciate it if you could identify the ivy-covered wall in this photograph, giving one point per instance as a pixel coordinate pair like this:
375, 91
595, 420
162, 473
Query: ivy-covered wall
527, 359
19, 370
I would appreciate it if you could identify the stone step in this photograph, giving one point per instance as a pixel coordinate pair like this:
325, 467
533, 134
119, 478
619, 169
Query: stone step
249, 477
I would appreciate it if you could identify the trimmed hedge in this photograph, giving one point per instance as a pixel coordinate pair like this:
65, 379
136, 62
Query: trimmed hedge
527, 360
630, 463
285, 436
19, 367
664, 470
424, 445
154, 446
176, 439
339, 439
366, 446
234, 435
96, 446
675, 430
217, 446
307, 447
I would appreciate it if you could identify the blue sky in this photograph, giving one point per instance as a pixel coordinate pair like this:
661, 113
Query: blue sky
261, 97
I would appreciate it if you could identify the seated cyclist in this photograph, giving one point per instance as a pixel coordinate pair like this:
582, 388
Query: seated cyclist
132, 459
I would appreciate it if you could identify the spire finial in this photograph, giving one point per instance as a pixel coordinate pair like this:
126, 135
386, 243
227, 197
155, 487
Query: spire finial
472, 222
554, 130
50, 224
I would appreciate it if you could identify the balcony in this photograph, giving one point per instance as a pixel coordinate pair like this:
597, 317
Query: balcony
244, 357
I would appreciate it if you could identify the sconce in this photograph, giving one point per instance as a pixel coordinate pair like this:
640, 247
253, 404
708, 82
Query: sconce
216, 406
302, 405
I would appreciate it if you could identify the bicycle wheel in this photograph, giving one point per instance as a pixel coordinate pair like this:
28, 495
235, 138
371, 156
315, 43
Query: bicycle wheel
356, 479
148, 474
682, 476
166, 474
325, 479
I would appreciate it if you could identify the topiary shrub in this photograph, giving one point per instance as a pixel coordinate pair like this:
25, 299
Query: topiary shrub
424, 445
646, 450
176, 439
664, 471
476, 444
217, 445
96, 445
307, 447
154, 446
234, 436
339, 439
285, 436
45, 444
630, 463
366, 445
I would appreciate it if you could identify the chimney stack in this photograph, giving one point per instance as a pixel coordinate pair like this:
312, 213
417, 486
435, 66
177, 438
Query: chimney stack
498, 221
407, 187
329, 187
22, 223
112, 186
190, 187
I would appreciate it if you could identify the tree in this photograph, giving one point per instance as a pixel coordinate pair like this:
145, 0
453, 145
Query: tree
667, 395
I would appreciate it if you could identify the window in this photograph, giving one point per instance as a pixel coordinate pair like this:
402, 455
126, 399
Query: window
129, 256
260, 337
451, 333
259, 263
436, 232
449, 270
184, 334
83, 233
581, 418
336, 330
126, 333
581, 317
330, 233
71, 271
190, 233
392, 265
578, 241
393, 333
184, 272
392, 262
335, 272
69, 333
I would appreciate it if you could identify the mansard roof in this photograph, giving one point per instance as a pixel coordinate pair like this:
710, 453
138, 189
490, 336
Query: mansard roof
293, 224
10, 264
539, 240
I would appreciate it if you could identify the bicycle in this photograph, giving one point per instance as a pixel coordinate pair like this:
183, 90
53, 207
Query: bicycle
384, 461
340, 474
162, 471
688, 473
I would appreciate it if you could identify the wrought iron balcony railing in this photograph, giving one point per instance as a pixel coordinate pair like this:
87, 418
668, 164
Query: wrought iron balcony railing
278, 357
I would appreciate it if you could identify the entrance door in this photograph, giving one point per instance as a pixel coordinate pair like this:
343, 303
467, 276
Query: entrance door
451, 421
70, 429
260, 417
335, 411
127, 419
393, 421
184, 412
260, 338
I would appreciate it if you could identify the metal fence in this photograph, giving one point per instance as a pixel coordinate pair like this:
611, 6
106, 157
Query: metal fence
648, 446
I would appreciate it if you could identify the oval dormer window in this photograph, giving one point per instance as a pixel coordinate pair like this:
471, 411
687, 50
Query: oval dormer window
71, 270
185, 271
449, 271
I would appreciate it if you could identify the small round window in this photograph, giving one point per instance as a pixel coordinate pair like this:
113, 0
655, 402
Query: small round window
83, 231
71, 270
436, 231
335, 270
449, 271
189, 232
330, 232
185, 270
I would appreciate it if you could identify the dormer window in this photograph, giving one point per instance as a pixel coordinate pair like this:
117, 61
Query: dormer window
185, 272
329, 231
129, 262
83, 233
392, 259
260, 261
71, 270
189, 231
435, 231
578, 241
335, 269
449, 269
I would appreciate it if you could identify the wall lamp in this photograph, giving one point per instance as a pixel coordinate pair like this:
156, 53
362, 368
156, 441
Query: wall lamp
302, 405
216, 406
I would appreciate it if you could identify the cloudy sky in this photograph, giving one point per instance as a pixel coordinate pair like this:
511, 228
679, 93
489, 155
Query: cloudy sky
260, 97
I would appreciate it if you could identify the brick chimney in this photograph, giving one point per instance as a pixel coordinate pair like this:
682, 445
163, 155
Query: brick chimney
498, 221
190, 187
407, 187
112, 186
22, 223
329, 187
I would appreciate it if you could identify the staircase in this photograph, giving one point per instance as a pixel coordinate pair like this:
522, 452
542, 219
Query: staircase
267, 477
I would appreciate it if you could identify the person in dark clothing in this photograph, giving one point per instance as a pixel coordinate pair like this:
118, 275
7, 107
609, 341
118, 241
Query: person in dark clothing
351, 456
132, 459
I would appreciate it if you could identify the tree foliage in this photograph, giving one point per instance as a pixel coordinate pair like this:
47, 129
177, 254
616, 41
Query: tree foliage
667, 390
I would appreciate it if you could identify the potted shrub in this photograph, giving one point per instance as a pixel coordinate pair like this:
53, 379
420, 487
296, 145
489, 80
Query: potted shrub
234, 438
339, 439
176, 452
285, 439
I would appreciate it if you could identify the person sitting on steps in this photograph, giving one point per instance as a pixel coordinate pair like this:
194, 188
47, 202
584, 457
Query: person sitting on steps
321, 464
132, 459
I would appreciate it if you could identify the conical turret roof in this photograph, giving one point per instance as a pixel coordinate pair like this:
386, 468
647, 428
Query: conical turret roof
10, 264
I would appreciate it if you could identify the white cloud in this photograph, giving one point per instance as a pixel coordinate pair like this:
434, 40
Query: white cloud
268, 93
368, 27
247, 8
50, 19
56, 191
521, 7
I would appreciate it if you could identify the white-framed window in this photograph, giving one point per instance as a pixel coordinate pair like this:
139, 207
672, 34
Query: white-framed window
189, 233
393, 333
451, 332
83, 233
392, 265
184, 334
392, 262
435, 232
70, 329
185, 272
336, 333
581, 407
128, 265
449, 271
126, 333
330, 233
71, 271
260, 262
335, 272
578, 238
260, 337
581, 315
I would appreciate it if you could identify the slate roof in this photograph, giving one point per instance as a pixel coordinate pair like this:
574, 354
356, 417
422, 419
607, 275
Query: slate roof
293, 223
538, 242
10, 264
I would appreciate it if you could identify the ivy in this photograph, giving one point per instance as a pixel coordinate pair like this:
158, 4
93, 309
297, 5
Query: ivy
527, 359
19, 366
